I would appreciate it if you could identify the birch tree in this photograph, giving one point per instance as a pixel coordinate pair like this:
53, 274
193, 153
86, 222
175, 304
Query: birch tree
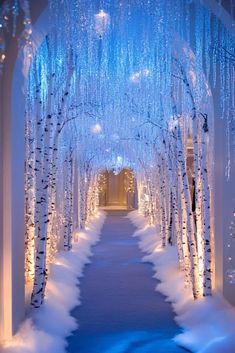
202, 191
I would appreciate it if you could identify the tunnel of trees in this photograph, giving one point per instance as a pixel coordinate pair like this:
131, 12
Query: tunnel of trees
112, 91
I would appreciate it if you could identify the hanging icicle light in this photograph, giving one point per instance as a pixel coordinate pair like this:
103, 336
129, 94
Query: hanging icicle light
137, 76
102, 22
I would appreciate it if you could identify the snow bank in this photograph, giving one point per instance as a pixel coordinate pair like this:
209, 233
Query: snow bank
209, 323
47, 328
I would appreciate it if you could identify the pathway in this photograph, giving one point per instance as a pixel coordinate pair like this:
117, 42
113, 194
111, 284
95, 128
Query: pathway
121, 312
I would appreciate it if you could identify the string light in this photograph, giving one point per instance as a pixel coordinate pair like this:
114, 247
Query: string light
102, 21
230, 272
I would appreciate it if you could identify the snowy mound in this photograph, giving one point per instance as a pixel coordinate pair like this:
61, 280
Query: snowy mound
209, 324
45, 331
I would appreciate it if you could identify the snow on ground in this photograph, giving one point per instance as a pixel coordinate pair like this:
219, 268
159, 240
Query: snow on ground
208, 323
45, 331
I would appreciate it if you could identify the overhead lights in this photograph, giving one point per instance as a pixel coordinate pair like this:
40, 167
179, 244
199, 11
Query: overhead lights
102, 21
96, 129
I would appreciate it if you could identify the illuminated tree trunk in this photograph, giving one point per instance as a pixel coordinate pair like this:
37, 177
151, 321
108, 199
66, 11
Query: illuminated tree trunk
53, 224
151, 208
162, 208
44, 129
207, 268
29, 200
41, 211
87, 187
59, 122
92, 196
198, 189
189, 222
180, 213
175, 224
202, 191
75, 195
68, 202
185, 245
82, 195
166, 200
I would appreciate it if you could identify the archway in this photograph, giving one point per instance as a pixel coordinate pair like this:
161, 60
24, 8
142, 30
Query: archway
147, 191
69, 126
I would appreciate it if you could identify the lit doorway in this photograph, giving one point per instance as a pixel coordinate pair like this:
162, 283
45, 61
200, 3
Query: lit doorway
118, 191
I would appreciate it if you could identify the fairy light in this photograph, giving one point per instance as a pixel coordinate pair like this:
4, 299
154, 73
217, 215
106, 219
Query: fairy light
96, 129
137, 76
102, 21
230, 272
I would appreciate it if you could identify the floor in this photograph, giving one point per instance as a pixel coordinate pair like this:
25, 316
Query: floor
121, 312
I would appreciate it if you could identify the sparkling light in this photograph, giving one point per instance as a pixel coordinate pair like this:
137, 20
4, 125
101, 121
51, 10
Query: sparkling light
96, 129
102, 21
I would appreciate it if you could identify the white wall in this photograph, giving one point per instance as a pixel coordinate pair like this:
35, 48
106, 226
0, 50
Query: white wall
12, 308
224, 194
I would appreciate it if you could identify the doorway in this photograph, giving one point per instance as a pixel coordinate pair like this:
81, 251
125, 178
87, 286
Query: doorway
118, 191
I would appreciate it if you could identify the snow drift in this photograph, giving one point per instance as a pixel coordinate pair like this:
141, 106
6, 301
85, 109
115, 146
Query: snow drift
46, 329
209, 323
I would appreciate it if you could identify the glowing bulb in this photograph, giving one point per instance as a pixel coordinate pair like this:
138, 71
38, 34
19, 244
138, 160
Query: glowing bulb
96, 129
102, 21
145, 72
3, 56
135, 77
119, 159
102, 14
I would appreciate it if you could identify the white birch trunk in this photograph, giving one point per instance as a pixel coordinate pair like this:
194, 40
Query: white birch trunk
207, 260
41, 212
29, 201
162, 213
68, 203
191, 241
59, 121
176, 191
82, 195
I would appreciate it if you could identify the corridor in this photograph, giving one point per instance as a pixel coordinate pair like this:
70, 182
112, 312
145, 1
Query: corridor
121, 312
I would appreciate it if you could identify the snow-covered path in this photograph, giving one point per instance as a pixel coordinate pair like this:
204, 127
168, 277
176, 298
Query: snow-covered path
121, 312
